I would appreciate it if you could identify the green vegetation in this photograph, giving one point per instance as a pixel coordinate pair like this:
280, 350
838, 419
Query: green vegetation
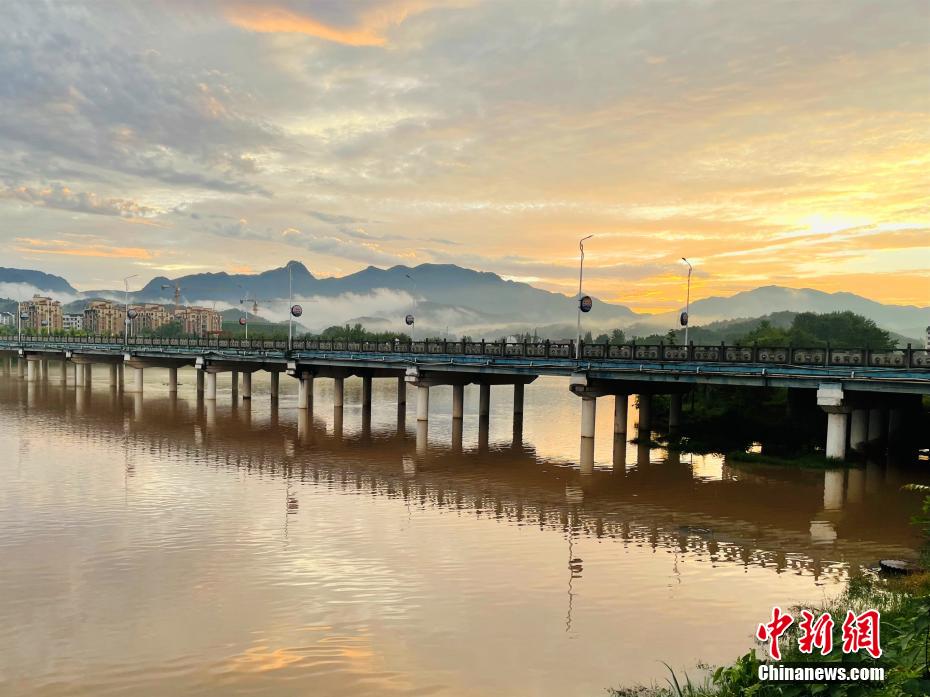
838, 329
805, 329
357, 333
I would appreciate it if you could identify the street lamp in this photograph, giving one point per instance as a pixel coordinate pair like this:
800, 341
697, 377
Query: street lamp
685, 317
411, 318
580, 278
126, 326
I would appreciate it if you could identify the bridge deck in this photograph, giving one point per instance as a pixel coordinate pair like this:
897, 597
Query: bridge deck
900, 370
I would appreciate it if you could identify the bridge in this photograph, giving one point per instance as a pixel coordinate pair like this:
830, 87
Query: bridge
868, 395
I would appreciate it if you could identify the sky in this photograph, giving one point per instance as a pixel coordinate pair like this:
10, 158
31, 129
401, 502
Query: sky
768, 142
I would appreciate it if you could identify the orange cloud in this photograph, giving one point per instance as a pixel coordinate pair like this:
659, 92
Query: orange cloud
33, 246
272, 20
369, 28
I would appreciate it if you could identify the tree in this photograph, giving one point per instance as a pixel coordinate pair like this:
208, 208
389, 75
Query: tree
809, 329
617, 337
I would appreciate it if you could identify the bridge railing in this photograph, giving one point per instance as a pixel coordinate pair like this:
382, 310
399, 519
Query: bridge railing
538, 350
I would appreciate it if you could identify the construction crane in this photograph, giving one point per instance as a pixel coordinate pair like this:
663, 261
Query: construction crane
177, 294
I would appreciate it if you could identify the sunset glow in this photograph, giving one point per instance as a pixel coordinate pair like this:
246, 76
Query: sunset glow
771, 143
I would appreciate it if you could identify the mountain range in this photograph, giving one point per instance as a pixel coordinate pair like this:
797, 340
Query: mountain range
450, 299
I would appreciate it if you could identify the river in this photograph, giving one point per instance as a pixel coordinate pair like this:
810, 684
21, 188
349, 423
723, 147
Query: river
156, 546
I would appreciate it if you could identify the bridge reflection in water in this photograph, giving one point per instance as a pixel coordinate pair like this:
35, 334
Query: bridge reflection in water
815, 522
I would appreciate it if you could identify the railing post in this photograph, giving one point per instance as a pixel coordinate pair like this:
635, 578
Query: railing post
826, 355
482, 347
907, 356
690, 350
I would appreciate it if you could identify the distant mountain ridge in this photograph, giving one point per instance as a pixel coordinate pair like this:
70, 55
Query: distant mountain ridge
460, 300
38, 279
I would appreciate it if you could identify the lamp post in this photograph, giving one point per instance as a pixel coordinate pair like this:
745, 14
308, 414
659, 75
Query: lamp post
290, 305
415, 305
580, 279
687, 315
126, 325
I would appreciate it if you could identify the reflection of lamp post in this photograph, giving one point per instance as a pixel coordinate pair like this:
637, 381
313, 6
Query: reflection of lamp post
126, 327
687, 316
580, 277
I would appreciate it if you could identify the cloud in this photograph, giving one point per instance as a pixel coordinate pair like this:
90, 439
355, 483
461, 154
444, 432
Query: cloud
358, 23
60, 196
24, 291
69, 248
324, 311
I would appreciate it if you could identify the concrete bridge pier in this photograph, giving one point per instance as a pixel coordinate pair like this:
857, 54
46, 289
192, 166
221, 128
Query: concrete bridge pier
234, 384
32, 369
858, 429
88, 374
337, 421
896, 422
644, 402
518, 398
21, 368
619, 453
79, 375
830, 398
275, 385
457, 435
305, 391
674, 412
63, 372
422, 403
458, 403
401, 420
114, 376
135, 381
339, 391
401, 390
200, 383
878, 423
172, 380
586, 457
209, 390
366, 393
484, 401
588, 416
246, 385
43, 365
621, 414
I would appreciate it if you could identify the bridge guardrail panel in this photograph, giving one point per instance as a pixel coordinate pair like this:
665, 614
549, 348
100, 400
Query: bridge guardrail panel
847, 357
675, 353
738, 354
920, 358
882, 359
806, 356
646, 352
772, 355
